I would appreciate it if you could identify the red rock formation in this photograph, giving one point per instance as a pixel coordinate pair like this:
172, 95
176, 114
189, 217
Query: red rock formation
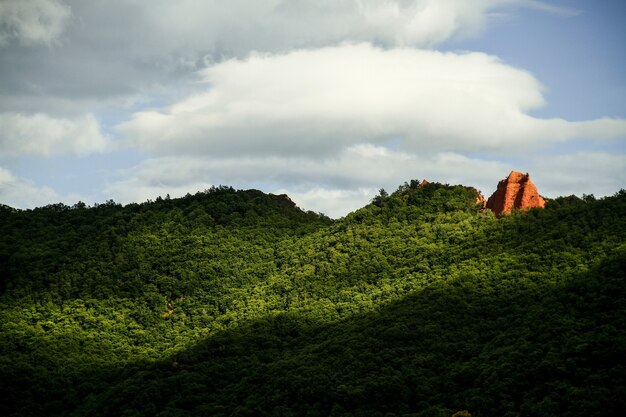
515, 191
480, 199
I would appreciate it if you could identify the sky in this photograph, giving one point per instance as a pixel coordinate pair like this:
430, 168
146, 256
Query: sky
325, 100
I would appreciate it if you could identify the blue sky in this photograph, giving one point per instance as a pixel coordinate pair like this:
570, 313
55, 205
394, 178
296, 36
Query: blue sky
327, 101
579, 57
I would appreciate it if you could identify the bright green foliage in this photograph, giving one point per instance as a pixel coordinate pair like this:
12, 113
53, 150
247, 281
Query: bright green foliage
239, 303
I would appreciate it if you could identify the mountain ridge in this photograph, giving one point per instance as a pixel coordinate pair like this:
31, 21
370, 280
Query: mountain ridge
516, 191
420, 303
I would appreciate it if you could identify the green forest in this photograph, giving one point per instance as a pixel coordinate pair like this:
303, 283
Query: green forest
239, 303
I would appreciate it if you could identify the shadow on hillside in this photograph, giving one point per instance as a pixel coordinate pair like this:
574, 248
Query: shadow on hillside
532, 351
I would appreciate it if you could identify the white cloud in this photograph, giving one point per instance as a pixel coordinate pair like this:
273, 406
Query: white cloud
599, 173
558, 10
107, 52
21, 193
318, 101
30, 22
237, 27
333, 202
43, 135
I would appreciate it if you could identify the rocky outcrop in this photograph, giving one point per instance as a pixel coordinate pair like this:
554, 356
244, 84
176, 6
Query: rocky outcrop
480, 199
515, 192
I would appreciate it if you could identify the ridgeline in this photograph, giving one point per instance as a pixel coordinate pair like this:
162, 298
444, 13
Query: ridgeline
238, 303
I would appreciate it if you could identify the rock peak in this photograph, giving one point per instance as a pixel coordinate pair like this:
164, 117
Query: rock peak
480, 199
515, 191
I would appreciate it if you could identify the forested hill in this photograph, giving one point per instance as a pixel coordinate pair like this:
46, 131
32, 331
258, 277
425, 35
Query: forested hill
237, 303
69, 251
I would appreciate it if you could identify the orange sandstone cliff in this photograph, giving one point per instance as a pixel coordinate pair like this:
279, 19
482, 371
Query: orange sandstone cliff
480, 199
515, 191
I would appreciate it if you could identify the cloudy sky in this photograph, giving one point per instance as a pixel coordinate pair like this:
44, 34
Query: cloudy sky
325, 100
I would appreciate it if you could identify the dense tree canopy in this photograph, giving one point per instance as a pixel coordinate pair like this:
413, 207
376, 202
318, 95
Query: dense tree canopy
238, 303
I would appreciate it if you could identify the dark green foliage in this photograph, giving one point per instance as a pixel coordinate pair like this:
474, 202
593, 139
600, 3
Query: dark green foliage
237, 303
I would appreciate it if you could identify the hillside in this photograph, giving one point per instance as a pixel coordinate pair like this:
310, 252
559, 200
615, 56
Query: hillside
237, 303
